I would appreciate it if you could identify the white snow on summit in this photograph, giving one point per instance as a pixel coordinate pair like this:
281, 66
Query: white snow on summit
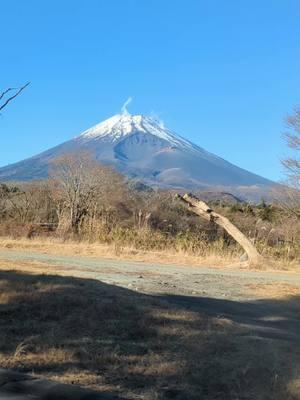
123, 125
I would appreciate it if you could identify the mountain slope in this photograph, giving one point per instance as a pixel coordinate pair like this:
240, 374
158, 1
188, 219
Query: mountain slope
142, 148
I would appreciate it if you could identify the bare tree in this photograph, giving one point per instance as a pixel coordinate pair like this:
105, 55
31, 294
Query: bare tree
289, 195
9, 94
79, 185
25, 203
288, 198
4, 193
292, 137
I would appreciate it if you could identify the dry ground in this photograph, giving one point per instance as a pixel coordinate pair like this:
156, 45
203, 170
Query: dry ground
156, 333
112, 339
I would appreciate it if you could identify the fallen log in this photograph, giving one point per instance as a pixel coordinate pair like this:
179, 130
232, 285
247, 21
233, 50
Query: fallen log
203, 210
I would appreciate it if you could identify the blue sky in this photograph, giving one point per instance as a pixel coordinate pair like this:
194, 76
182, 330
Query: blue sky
224, 74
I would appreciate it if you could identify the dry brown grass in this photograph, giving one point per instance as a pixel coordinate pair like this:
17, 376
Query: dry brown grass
112, 339
71, 248
216, 259
275, 290
36, 267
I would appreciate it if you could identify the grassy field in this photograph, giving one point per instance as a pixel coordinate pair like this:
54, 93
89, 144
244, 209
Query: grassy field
113, 339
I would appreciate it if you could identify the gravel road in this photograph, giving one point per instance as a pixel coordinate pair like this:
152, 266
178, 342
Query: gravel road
158, 278
214, 291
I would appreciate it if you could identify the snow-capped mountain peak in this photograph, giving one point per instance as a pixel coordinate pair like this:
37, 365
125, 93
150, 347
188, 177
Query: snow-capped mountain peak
123, 125
142, 148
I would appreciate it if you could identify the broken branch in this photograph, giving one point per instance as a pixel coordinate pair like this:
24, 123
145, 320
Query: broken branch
203, 210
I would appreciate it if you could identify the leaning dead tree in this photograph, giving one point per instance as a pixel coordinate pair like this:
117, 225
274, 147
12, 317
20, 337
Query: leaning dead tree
9, 94
203, 210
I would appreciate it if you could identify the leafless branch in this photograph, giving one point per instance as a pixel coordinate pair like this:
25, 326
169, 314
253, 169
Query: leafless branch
6, 91
11, 97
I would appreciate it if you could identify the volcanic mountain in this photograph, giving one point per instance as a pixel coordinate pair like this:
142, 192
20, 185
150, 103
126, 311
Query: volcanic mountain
144, 149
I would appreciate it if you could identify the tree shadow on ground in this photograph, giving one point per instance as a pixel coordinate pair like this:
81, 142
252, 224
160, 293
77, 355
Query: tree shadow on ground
113, 339
266, 318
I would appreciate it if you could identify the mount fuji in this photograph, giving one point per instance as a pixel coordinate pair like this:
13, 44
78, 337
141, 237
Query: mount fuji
142, 148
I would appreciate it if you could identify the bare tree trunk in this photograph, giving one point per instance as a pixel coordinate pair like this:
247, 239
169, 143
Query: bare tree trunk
202, 209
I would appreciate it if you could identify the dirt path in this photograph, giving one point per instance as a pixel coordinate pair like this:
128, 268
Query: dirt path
154, 278
216, 292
